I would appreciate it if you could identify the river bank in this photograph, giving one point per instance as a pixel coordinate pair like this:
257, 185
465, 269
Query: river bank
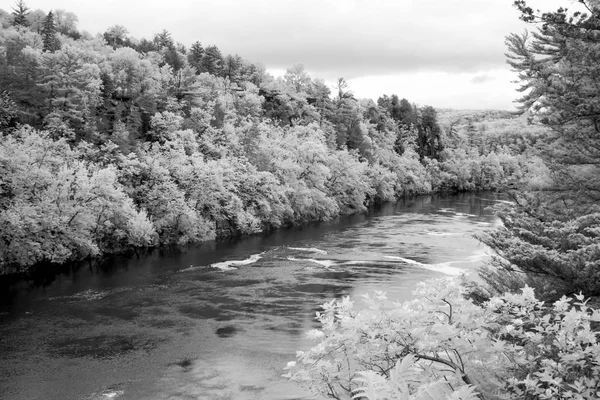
42, 271
222, 319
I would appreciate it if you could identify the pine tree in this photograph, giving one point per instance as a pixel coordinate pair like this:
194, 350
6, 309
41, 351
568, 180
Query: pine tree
195, 56
559, 66
8, 112
551, 238
164, 39
20, 14
429, 139
212, 62
49, 38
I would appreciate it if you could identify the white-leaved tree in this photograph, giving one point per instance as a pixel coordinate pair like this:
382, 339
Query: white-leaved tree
442, 346
58, 208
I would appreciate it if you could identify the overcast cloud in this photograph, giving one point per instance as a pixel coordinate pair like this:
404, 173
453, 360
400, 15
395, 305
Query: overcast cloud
379, 46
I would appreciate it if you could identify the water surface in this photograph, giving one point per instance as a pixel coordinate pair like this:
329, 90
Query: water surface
221, 320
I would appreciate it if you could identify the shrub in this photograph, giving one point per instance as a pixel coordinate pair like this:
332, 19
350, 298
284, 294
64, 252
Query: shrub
442, 346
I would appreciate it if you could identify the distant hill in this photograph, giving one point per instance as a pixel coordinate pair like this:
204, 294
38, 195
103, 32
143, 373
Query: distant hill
449, 116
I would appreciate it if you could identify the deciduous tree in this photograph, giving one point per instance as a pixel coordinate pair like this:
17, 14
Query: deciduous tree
116, 35
297, 77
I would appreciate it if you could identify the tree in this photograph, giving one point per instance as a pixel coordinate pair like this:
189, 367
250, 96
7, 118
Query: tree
116, 35
406, 117
441, 346
195, 56
145, 46
5, 19
559, 65
232, 67
550, 237
72, 85
319, 96
342, 89
56, 207
297, 77
35, 20
51, 42
399, 110
175, 59
429, 139
212, 62
8, 112
164, 39
20, 14
66, 23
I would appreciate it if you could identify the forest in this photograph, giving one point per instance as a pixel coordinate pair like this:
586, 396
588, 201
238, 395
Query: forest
111, 143
117, 144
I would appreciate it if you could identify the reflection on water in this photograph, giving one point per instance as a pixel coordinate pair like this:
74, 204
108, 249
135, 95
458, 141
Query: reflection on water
220, 321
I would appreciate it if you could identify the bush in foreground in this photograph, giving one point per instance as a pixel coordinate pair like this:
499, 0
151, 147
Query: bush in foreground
442, 346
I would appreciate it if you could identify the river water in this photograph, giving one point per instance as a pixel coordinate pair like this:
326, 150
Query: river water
221, 320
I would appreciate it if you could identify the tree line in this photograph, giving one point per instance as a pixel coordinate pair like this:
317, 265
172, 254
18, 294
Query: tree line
110, 143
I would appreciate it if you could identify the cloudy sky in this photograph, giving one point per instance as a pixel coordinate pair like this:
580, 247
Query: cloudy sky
445, 53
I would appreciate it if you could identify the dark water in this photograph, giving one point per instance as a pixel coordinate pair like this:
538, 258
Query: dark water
196, 326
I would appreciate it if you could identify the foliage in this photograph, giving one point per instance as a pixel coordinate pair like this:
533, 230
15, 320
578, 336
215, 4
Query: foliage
559, 67
48, 32
558, 255
549, 238
20, 12
442, 346
8, 111
204, 144
56, 207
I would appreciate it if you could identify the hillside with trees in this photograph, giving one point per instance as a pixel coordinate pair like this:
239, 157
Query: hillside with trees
533, 332
112, 143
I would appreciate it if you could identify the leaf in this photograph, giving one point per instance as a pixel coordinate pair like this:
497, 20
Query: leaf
372, 381
433, 391
467, 392
405, 371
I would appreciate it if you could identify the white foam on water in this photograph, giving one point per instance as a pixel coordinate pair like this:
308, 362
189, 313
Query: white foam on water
324, 263
113, 395
308, 249
223, 266
444, 268
405, 260
226, 265
462, 215
232, 264
359, 262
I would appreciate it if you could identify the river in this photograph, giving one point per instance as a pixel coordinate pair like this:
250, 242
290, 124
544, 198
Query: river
221, 320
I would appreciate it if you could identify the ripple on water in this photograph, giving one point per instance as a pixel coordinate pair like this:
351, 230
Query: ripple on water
124, 313
309, 249
200, 311
100, 346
